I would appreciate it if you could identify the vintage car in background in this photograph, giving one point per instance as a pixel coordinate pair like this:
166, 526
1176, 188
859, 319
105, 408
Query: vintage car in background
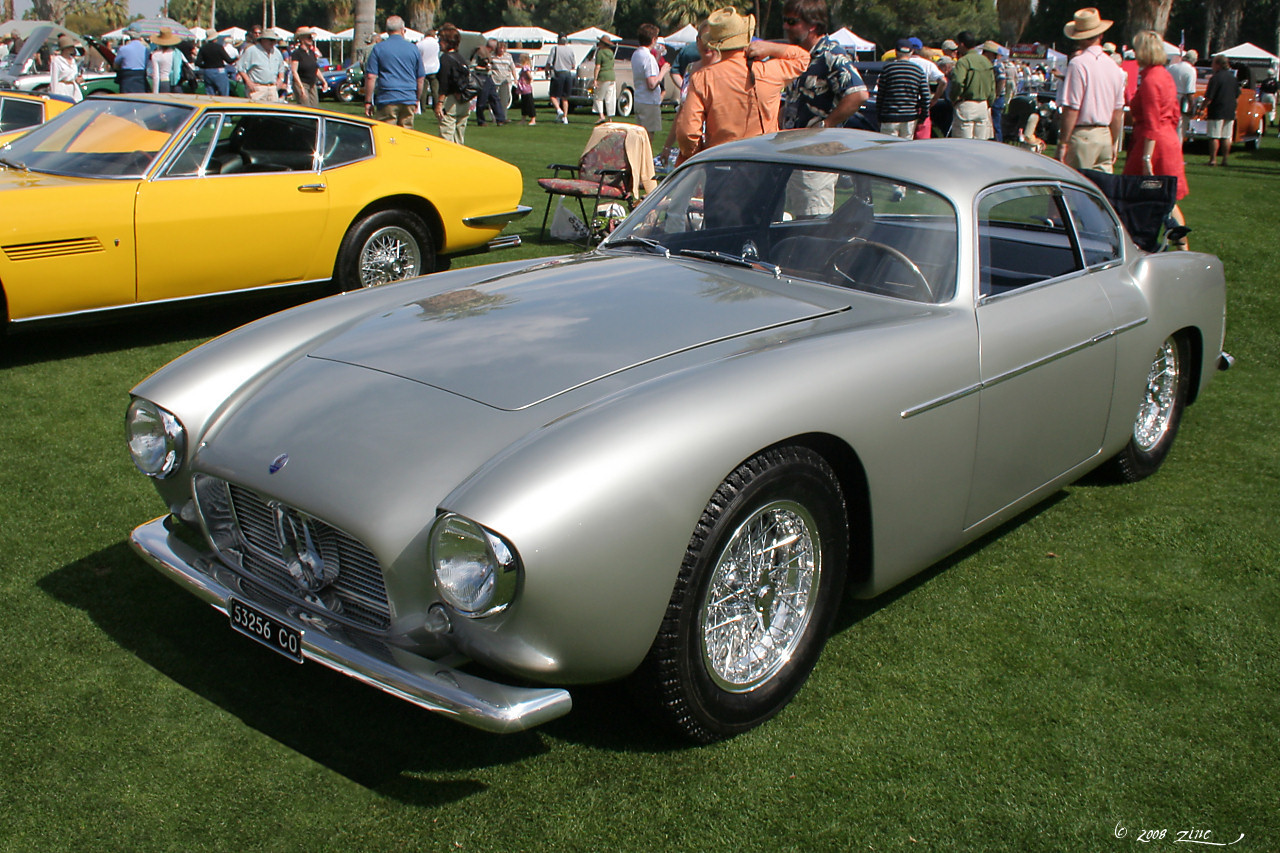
20, 111
583, 83
28, 69
1251, 116
810, 361
103, 198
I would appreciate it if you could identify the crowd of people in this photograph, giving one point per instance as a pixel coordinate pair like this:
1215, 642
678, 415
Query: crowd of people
732, 84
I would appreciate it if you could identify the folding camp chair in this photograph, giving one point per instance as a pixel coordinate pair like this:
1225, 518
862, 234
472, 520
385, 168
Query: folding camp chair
602, 173
1143, 203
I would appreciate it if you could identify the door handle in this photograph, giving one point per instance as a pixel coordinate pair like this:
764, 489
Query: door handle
311, 188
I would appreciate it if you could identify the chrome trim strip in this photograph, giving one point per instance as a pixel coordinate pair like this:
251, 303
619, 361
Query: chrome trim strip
175, 300
510, 241
941, 401
1018, 371
475, 701
489, 220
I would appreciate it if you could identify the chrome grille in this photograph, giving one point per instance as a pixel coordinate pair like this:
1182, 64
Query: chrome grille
357, 596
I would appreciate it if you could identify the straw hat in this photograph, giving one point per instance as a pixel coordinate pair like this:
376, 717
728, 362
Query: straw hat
303, 31
65, 41
728, 30
1086, 24
166, 38
991, 46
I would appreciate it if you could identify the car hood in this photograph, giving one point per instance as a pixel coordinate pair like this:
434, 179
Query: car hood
522, 338
18, 179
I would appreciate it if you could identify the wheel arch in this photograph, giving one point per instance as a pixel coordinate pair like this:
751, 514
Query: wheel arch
1195, 342
417, 205
852, 475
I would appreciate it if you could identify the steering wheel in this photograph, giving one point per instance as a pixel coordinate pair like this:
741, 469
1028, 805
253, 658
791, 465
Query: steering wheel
917, 287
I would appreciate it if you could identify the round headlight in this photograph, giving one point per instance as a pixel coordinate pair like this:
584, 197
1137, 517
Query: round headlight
157, 441
475, 569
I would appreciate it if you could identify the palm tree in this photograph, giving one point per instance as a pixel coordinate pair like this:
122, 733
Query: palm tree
421, 14
1014, 15
1148, 15
677, 13
51, 10
608, 8
365, 10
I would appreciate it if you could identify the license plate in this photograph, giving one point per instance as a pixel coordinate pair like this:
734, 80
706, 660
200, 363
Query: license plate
266, 629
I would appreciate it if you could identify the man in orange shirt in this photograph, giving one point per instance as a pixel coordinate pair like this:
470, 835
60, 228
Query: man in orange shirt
739, 96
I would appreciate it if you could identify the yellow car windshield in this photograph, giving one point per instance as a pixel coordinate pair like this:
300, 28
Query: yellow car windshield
98, 138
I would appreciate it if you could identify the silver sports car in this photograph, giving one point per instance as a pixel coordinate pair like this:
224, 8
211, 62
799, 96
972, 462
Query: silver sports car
811, 362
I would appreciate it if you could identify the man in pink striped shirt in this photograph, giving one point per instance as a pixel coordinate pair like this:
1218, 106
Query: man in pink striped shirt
1092, 98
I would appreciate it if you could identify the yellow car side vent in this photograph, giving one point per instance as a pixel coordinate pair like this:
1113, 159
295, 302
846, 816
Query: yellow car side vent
52, 249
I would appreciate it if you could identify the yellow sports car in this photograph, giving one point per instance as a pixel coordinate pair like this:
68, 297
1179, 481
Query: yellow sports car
121, 199
20, 111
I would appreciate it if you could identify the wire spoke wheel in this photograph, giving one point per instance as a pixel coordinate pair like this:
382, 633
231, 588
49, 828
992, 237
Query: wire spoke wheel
755, 597
390, 254
1159, 413
1160, 402
760, 596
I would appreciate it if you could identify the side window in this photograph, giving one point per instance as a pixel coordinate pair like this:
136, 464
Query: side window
1023, 238
191, 159
1096, 229
16, 114
265, 142
345, 142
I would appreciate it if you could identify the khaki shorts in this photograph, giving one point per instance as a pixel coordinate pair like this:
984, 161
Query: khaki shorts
1091, 148
1220, 128
650, 117
902, 129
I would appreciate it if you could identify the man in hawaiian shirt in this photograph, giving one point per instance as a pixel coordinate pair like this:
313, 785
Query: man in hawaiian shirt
825, 95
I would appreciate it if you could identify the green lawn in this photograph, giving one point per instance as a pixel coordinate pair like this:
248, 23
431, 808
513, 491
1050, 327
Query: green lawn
1106, 664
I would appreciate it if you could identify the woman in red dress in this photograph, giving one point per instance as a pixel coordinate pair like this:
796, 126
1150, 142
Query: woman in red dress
1155, 148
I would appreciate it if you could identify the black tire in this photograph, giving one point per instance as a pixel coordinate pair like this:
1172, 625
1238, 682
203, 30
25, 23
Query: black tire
399, 234
626, 102
1159, 414
708, 673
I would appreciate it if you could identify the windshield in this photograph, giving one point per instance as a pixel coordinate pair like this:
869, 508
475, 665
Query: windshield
98, 138
845, 229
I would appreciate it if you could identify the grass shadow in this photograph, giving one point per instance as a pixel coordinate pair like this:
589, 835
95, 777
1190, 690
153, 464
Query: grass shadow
144, 325
857, 609
382, 743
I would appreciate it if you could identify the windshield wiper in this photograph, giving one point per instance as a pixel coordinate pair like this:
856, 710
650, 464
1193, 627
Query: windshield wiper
732, 260
13, 164
652, 245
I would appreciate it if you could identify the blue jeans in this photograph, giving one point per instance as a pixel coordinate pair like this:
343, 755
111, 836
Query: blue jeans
132, 82
216, 81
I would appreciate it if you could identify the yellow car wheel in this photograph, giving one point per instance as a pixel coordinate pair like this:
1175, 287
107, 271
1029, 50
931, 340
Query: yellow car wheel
383, 247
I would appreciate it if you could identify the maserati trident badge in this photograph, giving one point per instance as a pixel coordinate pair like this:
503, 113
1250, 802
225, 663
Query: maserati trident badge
300, 548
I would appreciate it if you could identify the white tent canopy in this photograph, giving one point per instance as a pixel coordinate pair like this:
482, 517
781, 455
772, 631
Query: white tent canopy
590, 34
848, 38
686, 34
511, 35
321, 34
349, 33
1249, 51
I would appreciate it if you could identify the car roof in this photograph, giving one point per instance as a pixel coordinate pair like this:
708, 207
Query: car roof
959, 168
230, 102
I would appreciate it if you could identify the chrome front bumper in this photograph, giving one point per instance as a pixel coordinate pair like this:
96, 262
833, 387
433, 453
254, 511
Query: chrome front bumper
475, 701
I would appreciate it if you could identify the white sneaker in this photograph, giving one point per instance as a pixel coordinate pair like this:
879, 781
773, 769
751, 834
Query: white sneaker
564, 119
